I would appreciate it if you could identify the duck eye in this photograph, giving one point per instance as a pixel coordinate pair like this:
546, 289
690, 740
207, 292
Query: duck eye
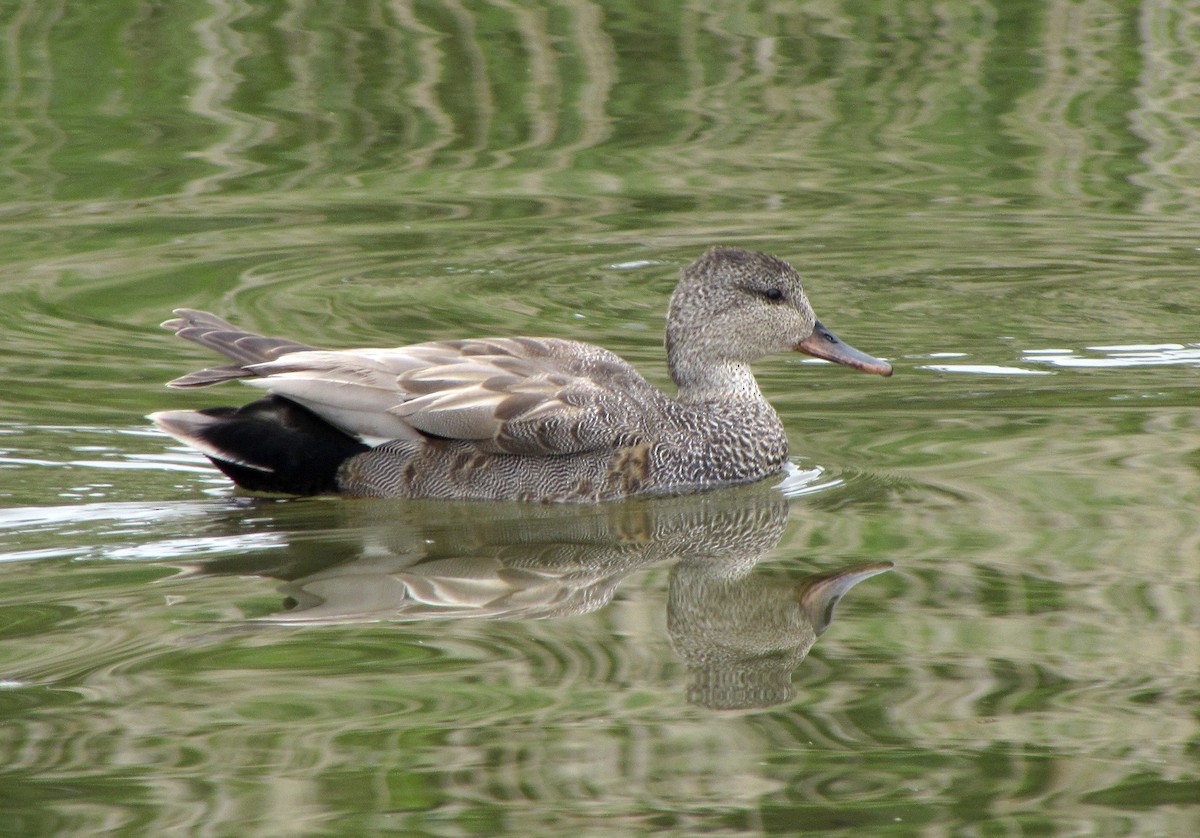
773, 294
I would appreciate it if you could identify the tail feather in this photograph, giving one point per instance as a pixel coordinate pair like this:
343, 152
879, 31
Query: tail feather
271, 445
244, 348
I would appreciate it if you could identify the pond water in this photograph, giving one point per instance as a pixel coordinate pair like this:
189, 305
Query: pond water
1002, 198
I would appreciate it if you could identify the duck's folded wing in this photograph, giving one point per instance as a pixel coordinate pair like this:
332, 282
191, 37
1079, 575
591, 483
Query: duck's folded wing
243, 347
517, 395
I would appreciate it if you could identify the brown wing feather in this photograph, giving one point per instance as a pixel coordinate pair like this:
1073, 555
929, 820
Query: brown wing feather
519, 395
244, 348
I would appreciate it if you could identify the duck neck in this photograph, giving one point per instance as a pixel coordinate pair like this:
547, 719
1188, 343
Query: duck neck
706, 380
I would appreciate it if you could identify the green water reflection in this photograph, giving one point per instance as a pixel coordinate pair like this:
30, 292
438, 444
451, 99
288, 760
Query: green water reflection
741, 634
1001, 197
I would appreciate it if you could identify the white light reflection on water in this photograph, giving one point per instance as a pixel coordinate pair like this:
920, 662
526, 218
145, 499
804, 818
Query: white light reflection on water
173, 549
1120, 355
982, 369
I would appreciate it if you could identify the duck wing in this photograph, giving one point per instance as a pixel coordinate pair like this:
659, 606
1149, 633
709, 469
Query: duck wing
531, 396
242, 347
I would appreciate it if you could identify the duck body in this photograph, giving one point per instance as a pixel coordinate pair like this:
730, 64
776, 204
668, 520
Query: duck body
605, 443
533, 419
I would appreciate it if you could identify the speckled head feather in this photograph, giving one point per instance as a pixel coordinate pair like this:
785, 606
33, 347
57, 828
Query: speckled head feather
732, 306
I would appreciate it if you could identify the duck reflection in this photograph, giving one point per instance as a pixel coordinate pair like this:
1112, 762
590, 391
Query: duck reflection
742, 633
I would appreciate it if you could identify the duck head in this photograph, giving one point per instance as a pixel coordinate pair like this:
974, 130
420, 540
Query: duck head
733, 306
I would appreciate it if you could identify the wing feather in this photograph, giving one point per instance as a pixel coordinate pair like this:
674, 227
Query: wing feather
520, 395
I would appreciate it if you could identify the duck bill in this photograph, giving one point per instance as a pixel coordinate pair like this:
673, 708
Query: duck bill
819, 594
825, 345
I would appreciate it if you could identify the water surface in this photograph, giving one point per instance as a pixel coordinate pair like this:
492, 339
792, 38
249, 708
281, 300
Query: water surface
1001, 198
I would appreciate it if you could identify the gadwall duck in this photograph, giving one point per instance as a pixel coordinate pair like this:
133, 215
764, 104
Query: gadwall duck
532, 419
